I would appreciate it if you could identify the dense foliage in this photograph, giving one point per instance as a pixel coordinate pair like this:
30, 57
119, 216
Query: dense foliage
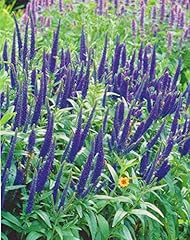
95, 120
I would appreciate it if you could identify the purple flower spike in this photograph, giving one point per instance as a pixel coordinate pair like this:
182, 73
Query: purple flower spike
25, 46
153, 65
3, 186
152, 142
177, 73
54, 49
144, 163
123, 57
18, 37
32, 39
100, 159
86, 128
75, 146
5, 56
134, 28
64, 195
85, 172
117, 58
162, 171
38, 106
101, 68
31, 141
57, 184
125, 131
83, 50
185, 149
30, 202
48, 137
10, 156
24, 106
145, 61
44, 171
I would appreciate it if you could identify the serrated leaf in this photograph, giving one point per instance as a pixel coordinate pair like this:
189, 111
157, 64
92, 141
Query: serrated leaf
138, 212
103, 226
33, 236
11, 225
14, 187
120, 214
44, 217
103, 197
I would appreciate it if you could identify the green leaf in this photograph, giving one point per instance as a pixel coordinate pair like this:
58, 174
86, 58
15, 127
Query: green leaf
44, 217
127, 233
120, 214
7, 116
138, 212
59, 232
103, 197
153, 207
113, 173
92, 223
33, 236
11, 188
103, 226
8, 216
11, 225
4, 237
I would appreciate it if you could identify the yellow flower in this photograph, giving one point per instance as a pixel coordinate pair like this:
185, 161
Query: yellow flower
123, 182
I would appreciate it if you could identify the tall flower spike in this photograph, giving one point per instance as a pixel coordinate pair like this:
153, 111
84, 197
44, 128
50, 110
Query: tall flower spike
123, 56
85, 172
13, 61
44, 171
31, 141
10, 155
86, 82
18, 37
5, 56
32, 192
152, 142
32, 38
54, 49
177, 73
24, 106
3, 186
86, 128
64, 195
57, 184
100, 159
185, 148
48, 137
145, 61
76, 140
101, 68
162, 171
125, 131
117, 58
38, 106
153, 65
83, 50
144, 163
25, 46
